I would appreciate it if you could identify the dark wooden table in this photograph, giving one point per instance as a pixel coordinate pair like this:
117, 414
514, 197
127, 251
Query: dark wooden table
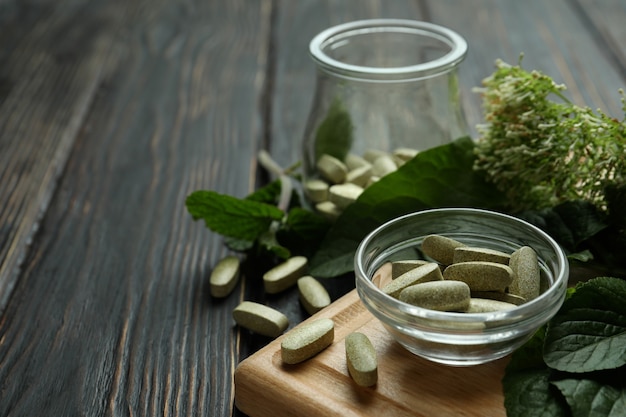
112, 112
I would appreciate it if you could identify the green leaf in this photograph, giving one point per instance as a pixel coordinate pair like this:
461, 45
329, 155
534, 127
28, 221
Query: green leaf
592, 398
528, 393
229, 216
268, 242
570, 223
303, 231
268, 194
589, 331
439, 177
334, 134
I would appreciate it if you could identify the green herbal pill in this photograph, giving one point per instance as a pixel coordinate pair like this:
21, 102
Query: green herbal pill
480, 276
526, 273
316, 190
438, 295
332, 169
440, 248
469, 254
361, 359
344, 194
307, 340
500, 296
313, 295
400, 267
284, 275
424, 273
260, 319
224, 276
483, 305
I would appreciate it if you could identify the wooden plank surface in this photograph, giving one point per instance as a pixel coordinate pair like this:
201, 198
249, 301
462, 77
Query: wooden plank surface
111, 315
45, 91
407, 385
111, 112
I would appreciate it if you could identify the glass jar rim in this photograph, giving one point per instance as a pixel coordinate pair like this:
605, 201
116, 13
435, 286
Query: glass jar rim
458, 50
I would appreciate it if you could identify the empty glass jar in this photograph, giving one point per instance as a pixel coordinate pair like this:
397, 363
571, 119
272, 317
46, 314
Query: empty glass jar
383, 85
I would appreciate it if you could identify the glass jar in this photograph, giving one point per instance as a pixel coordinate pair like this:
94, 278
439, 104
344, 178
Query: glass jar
383, 85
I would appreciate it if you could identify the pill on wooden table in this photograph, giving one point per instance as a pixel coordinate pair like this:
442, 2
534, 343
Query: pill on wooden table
359, 176
332, 169
344, 194
469, 254
438, 295
383, 165
354, 161
361, 359
500, 296
440, 248
480, 276
307, 340
260, 319
329, 210
483, 305
316, 190
224, 276
424, 273
313, 295
400, 267
526, 273
284, 275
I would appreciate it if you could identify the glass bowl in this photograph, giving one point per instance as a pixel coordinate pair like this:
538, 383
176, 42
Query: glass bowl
452, 338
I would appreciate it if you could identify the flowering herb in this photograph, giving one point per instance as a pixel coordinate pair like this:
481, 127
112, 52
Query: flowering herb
542, 152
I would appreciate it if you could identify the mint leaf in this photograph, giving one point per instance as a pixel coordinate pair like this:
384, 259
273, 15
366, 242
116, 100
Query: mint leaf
229, 216
589, 331
588, 397
334, 134
268, 194
439, 177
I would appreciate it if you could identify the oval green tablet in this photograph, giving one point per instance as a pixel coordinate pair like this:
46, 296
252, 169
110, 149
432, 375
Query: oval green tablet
526, 273
313, 295
361, 359
438, 295
260, 319
307, 340
424, 273
284, 275
224, 276
440, 248
480, 276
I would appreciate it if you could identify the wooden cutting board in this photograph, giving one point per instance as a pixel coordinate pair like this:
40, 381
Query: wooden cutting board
407, 385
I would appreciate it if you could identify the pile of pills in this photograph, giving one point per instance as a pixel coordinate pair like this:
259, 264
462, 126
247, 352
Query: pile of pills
464, 278
342, 182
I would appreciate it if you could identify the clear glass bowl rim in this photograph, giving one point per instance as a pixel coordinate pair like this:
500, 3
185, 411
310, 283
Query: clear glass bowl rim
531, 310
443, 64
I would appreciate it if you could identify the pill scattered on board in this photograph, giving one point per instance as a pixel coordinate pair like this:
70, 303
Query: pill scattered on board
284, 275
313, 295
438, 295
526, 273
361, 359
483, 305
260, 319
224, 276
480, 276
440, 248
469, 254
424, 273
307, 340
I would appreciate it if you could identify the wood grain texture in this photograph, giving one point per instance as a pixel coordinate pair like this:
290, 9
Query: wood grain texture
111, 112
407, 385
45, 91
111, 315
